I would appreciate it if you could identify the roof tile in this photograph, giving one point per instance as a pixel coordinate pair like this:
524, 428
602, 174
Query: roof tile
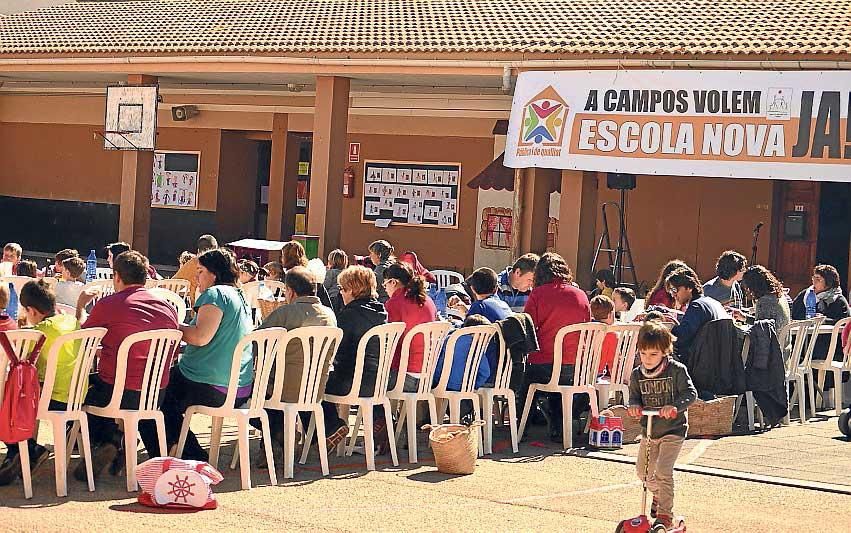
623, 27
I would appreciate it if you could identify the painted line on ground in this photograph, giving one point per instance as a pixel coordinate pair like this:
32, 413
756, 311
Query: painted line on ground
605, 488
697, 451
729, 474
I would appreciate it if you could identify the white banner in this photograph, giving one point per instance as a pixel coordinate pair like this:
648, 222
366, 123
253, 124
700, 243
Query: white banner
742, 124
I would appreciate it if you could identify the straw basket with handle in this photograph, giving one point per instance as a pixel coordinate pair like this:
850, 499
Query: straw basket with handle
269, 306
455, 447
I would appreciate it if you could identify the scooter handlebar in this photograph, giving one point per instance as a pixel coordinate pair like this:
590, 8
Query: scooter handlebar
650, 412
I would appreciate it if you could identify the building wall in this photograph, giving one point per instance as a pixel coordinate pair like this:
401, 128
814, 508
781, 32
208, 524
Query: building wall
694, 219
436, 248
237, 187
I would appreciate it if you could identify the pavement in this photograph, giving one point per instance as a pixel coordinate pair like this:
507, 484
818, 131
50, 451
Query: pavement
541, 488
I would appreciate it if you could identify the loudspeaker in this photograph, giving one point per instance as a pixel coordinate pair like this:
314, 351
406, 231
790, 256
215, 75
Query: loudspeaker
620, 182
183, 112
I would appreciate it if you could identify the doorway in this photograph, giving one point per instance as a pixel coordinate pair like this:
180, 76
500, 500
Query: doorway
834, 232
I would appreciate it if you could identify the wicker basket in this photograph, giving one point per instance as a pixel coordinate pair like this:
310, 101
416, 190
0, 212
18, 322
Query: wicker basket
455, 447
631, 426
714, 417
268, 306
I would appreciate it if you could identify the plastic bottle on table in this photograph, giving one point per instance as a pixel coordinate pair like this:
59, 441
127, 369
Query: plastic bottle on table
91, 267
12, 308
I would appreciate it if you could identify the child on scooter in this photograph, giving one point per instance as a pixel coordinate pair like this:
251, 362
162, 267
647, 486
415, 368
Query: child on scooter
662, 384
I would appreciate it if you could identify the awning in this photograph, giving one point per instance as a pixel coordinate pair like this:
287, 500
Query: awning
499, 177
495, 176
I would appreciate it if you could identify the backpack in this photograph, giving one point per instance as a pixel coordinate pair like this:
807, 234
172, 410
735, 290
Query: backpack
21, 395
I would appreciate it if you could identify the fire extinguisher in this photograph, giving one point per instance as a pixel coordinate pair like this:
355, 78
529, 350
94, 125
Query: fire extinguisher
349, 182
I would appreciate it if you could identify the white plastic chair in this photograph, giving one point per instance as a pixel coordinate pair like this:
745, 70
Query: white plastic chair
623, 364
319, 345
481, 338
17, 281
251, 291
267, 343
387, 336
103, 273
87, 342
176, 285
798, 366
23, 341
173, 299
445, 278
502, 378
584, 375
836, 367
163, 344
433, 334
104, 287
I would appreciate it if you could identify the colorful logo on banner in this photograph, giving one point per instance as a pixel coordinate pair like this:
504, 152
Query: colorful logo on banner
544, 120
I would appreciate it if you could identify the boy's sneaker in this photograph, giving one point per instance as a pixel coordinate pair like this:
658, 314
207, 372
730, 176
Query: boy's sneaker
102, 458
10, 469
653, 506
336, 437
665, 520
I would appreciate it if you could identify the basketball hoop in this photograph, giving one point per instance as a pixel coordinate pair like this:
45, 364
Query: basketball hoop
130, 122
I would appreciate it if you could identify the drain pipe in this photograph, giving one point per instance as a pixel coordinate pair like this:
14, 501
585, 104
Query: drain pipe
506, 79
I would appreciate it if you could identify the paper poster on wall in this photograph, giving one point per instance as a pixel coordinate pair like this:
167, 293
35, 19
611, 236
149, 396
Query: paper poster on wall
175, 180
411, 193
301, 194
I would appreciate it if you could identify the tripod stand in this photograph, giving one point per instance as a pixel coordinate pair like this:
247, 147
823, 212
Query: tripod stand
620, 257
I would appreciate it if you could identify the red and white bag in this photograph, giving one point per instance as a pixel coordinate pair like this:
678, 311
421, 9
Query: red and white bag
177, 484
19, 404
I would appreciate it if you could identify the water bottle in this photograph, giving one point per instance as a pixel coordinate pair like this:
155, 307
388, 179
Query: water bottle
91, 267
12, 308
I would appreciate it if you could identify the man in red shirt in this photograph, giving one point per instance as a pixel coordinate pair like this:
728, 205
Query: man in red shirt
132, 309
555, 302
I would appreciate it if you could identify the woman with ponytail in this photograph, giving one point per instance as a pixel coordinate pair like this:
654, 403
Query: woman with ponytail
408, 302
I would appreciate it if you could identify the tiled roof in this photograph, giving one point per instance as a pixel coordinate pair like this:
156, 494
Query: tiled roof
565, 27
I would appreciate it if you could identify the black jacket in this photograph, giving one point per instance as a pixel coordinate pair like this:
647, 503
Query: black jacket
355, 320
765, 370
518, 331
715, 363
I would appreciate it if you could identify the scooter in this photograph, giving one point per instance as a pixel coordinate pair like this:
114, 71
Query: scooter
641, 523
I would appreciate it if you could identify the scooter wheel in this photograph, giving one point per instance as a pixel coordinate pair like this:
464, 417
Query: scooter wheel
658, 528
619, 529
845, 423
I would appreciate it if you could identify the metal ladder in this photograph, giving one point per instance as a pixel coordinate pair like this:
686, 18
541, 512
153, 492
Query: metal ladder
620, 258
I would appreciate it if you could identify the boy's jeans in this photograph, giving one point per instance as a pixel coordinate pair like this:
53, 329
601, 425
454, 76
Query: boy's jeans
660, 475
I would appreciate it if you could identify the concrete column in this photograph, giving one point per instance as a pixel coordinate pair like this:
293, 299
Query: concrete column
277, 227
137, 172
577, 222
536, 185
330, 123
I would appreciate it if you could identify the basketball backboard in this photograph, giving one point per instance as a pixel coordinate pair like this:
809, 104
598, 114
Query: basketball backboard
131, 117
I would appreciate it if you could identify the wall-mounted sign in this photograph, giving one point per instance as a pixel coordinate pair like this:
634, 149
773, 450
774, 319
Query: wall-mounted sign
354, 152
726, 123
175, 181
417, 194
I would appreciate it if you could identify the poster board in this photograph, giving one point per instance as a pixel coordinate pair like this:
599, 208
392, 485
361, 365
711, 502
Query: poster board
175, 181
723, 123
411, 193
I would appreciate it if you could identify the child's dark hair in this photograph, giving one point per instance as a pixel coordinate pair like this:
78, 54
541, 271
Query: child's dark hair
626, 294
483, 281
601, 307
653, 335
39, 295
476, 320
606, 277
28, 268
